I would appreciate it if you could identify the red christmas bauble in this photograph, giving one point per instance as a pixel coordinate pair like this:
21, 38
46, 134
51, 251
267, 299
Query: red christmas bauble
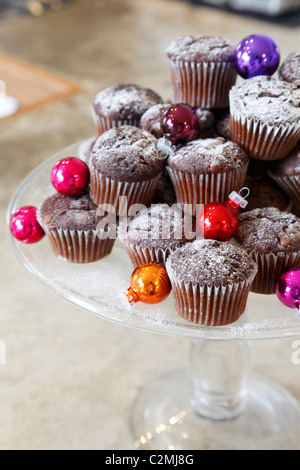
70, 176
24, 225
180, 124
220, 220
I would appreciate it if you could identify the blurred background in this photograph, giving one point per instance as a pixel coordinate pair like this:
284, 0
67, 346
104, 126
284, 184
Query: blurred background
284, 10
70, 378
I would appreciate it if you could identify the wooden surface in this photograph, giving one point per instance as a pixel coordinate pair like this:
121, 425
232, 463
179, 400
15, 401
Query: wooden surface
32, 86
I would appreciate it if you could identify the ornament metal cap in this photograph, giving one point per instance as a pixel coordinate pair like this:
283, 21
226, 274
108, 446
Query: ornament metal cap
166, 147
238, 199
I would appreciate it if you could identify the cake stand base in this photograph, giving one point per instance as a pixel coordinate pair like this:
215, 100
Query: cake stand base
163, 418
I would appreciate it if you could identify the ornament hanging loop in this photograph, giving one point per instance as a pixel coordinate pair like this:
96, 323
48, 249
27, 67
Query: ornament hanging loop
247, 190
297, 309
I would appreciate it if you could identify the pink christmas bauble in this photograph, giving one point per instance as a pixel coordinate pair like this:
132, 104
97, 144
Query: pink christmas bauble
288, 287
70, 176
24, 225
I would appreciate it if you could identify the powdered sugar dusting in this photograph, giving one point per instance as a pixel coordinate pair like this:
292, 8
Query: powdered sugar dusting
71, 213
209, 156
269, 230
211, 262
208, 48
126, 100
127, 153
159, 226
290, 68
268, 99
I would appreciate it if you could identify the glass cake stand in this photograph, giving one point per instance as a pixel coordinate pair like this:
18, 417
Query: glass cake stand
217, 402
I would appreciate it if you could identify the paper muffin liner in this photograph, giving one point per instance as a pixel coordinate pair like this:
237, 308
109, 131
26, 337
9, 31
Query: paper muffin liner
290, 185
104, 123
202, 84
193, 190
270, 266
146, 254
106, 192
79, 246
209, 305
263, 141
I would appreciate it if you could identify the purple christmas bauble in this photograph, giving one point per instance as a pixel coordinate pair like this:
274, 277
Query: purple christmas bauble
180, 124
288, 287
257, 55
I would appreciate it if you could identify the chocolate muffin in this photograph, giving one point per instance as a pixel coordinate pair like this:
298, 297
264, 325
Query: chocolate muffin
165, 192
125, 162
286, 173
206, 170
264, 192
206, 121
223, 126
156, 232
151, 120
211, 281
202, 70
272, 237
265, 117
122, 104
71, 224
290, 68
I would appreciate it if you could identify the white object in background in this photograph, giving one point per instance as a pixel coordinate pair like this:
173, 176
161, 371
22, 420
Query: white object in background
269, 7
8, 105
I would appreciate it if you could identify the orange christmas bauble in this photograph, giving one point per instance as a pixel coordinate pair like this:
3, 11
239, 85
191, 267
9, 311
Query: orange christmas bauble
149, 284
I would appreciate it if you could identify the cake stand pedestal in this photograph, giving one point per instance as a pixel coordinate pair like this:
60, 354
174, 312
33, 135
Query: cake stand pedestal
216, 403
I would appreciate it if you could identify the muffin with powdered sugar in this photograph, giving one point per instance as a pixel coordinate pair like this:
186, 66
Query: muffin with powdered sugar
156, 232
122, 104
286, 173
71, 225
290, 68
206, 170
152, 119
125, 163
265, 117
202, 70
211, 281
272, 237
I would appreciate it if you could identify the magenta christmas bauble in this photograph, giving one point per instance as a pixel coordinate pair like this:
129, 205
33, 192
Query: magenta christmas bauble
255, 55
288, 287
24, 225
70, 176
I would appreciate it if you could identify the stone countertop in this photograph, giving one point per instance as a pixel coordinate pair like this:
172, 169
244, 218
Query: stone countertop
70, 378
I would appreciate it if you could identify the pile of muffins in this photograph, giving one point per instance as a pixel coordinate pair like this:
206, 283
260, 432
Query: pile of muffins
249, 135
